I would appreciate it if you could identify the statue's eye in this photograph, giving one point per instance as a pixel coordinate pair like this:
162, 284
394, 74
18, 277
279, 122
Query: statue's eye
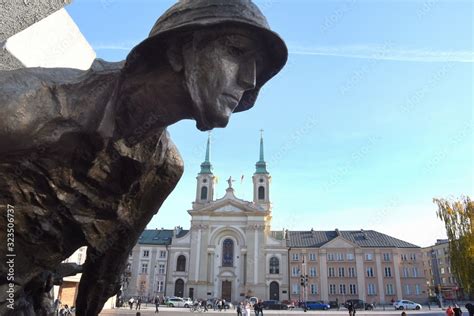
235, 51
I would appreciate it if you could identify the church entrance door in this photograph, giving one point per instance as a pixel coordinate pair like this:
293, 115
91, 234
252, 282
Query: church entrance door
274, 291
227, 291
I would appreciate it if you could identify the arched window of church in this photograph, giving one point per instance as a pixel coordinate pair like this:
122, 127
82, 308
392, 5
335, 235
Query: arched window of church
274, 265
261, 193
181, 263
204, 193
228, 253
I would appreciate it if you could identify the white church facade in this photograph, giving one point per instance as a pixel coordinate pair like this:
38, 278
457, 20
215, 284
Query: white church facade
230, 251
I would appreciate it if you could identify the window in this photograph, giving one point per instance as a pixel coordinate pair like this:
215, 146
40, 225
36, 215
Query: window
442, 270
371, 290
261, 193
407, 289
369, 256
228, 253
352, 272
295, 289
386, 257
352, 289
415, 272
370, 272
417, 289
295, 256
160, 286
330, 257
405, 273
204, 193
161, 269
295, 271
144, 268
332, 289
312, 257
162, 254
146, 253
313, 288
312, 272
403, 256
388, 272
274, 265
181, 263
413, 256
342, 289
339, 256
341, 272
443, 280
331, 272
350, 256
389, 289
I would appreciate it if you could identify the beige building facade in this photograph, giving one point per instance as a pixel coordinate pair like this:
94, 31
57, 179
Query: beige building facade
342, 265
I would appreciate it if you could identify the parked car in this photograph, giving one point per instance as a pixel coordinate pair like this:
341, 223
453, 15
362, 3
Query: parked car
253, 300
317, 305
334, 304
288, 303
212, 304
273, 304
405, 304
178, 302
359, 304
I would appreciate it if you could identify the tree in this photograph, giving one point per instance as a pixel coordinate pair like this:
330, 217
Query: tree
458, 218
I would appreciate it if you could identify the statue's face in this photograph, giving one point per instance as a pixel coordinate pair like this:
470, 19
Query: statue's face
218, 70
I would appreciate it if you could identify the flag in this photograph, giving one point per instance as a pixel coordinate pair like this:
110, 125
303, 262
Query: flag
216, 179
241, 179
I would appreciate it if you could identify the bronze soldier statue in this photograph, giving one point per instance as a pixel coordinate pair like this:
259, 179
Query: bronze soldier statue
85, 159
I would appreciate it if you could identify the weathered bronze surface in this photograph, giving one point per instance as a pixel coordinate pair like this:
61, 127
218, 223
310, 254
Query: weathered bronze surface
85, 158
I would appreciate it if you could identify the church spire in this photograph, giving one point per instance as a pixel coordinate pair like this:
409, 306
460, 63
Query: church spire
206, 167
261, 165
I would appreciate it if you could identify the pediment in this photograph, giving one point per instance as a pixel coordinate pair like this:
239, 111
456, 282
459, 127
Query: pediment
229, 204
339, 242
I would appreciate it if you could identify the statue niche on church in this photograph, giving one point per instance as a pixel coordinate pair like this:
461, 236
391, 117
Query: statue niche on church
85, 159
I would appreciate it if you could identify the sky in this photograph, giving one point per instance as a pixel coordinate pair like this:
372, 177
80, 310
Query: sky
371, 118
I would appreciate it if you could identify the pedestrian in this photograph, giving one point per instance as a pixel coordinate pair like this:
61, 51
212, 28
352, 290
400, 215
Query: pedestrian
449, 311
157, 304
247, 308
139, 303
457, 310
404, 314
260, 307
130, 302
350, 308
337, 303
239, 309
219, 305
470, 309
137, 314
256, 308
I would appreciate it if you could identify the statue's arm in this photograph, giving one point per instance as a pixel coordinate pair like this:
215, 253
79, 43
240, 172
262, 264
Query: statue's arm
28, 104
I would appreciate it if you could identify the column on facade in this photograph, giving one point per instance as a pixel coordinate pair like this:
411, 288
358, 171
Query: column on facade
380, 275
323, 268
398, 283
359, 258
198, 255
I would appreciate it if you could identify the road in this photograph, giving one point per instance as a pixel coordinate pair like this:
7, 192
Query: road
167, 311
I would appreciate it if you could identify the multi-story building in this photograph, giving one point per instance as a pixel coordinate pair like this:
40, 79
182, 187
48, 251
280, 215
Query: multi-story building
340, 265
148, 263
437, 266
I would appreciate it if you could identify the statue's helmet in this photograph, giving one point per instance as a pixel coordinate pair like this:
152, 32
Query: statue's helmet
191, 15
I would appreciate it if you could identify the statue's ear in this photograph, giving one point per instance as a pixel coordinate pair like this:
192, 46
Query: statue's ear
175, 57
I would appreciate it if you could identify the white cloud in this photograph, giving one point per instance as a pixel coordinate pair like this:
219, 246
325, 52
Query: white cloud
386, 52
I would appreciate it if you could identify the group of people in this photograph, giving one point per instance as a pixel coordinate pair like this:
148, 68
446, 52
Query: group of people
243, 308
137, 301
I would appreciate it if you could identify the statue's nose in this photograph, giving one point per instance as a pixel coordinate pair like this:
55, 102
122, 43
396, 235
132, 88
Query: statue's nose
247, 74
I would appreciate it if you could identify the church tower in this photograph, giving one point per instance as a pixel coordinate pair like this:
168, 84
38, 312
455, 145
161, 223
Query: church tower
205, 178
261, 180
